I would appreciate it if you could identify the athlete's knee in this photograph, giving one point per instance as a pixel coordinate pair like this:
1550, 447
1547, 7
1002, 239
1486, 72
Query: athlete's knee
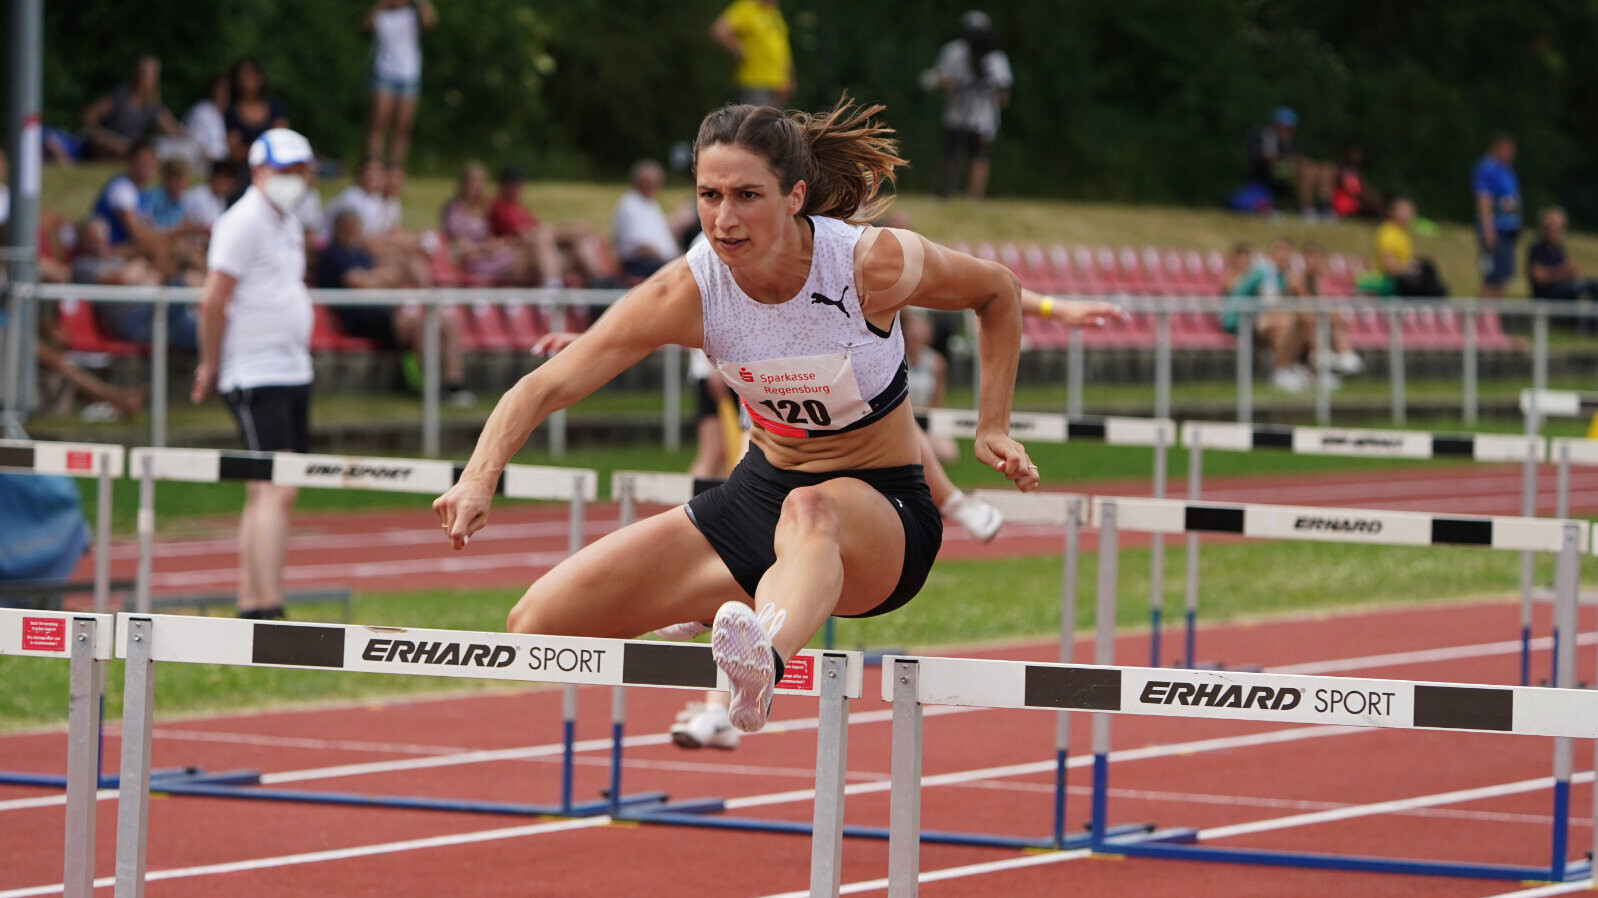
809, 510
524, 617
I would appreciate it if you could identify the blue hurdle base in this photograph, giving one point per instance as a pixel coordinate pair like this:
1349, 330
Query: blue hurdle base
707, 813
1576, 870
243, 784
56, 781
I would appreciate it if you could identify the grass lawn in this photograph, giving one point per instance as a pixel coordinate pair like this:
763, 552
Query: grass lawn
964, 602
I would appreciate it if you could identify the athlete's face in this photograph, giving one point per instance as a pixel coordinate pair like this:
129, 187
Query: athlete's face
741, 206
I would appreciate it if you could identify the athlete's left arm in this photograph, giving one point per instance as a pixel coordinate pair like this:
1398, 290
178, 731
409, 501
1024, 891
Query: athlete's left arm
903, 268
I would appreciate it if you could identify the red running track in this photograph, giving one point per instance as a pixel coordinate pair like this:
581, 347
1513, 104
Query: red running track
1197, 773
403, 550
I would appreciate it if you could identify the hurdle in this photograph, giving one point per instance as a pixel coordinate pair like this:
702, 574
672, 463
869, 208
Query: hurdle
143, 641
1198, 436
85, 640
576, 486
102, 462
1522, 709
1158, 433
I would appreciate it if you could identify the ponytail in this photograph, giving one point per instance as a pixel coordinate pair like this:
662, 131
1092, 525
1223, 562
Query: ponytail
843, 156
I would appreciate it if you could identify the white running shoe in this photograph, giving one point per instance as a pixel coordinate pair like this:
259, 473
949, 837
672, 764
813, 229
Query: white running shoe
1348, 362
702, 725
1290, 380
682, 632
975, 515
740, 641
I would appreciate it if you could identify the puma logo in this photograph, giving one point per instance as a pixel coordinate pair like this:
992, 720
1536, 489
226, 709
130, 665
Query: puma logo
818, 298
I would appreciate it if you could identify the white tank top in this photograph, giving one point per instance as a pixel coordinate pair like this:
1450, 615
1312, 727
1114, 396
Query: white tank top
809, 366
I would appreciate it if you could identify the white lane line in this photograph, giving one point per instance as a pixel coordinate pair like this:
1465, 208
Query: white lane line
1425, 656
874, 885
1258, 826
1386, 807
337, 854
1558, 888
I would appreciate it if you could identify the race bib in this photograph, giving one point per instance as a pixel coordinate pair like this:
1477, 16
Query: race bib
792, 397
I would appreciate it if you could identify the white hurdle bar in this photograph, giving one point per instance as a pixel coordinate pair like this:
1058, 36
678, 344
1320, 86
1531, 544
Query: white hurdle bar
101, 461
1354, 443
85, 640
144, 640
1158, 433
397, 475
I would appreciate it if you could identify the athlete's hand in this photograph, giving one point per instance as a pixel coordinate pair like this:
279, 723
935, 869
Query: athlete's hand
1088, 313
554, 342
1009, 458
462, 511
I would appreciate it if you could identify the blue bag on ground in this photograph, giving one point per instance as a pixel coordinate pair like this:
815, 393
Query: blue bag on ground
42, 531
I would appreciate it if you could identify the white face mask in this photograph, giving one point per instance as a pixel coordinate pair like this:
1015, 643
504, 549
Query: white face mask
285, 191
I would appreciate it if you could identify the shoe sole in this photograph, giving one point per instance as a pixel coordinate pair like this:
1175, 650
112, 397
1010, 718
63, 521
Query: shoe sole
740, 647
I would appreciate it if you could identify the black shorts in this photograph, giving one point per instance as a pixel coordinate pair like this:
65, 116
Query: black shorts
739, 518
959, 142
372, 322
273, 419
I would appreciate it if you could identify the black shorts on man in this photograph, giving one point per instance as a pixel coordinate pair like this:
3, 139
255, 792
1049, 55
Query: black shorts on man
272, 419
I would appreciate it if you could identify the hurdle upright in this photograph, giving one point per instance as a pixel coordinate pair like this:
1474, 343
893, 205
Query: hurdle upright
1198, 436
85, 640
145, 640
1375, 527
1158, 433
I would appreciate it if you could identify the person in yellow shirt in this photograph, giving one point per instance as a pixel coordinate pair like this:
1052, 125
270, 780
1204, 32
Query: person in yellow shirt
1403, 273
754, 32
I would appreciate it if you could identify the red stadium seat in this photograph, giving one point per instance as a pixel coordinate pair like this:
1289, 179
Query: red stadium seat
327, 334
84, 333
488, 328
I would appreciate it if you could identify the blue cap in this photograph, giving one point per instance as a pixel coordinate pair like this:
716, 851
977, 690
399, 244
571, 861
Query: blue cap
1285, 116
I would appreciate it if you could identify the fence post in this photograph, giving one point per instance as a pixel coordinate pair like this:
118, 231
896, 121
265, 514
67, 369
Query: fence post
1539, 349
671, 361
1395, 364
904, 830
1245, 367
1468, 400
146, 527
1074, 372
430, 379
1162, 362
1323, 367
102, 535
159, 359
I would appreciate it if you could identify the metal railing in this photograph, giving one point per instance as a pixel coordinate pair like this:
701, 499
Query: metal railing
1161, 309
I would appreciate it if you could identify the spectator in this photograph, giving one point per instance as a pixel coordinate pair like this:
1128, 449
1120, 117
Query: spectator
204, 123
204, 203
250, 113
98, 262
163, 203
1403, 273
644, 239
114, 123
106, 401
1497, 204
396, 27
1275, 162
472, 240
347, 262
365, 198
977, 78
1280, 330
1548, 268
564, 255
754, 32
255, 323
1305, 282
119, 200
1351, 197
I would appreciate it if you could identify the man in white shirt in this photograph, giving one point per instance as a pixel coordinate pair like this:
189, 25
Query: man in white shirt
365, 198
644, 239
255, 333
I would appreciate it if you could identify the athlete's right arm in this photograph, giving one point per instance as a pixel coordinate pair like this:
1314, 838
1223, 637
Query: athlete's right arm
663, 309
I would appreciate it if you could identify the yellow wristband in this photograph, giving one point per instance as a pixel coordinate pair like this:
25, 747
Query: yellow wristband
1046, 306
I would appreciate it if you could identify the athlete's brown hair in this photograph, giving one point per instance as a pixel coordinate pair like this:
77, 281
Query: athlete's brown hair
843, 156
